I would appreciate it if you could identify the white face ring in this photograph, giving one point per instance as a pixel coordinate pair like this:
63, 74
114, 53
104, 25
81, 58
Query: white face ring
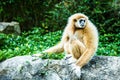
80, 23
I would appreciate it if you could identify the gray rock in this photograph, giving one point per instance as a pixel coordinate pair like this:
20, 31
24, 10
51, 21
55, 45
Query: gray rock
33, 68
102, 68
10, 27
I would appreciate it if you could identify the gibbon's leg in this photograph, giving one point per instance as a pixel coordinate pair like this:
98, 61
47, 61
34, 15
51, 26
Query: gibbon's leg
66, 47
59, 47
55, 49
76, 47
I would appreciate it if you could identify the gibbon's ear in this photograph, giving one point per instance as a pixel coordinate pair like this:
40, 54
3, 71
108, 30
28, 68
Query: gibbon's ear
75, 20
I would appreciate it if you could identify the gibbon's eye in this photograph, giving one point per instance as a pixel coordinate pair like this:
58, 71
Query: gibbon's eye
81, 20
75, 20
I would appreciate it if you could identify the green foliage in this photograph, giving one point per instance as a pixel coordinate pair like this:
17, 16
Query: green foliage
99, 12
27, 44
109, 45
52, 56
34, 41
28, 13
52, 15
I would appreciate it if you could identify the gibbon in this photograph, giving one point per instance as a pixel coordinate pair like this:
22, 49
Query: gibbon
79, 39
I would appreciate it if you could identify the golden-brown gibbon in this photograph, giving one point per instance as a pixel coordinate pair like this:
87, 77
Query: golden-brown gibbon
79, 39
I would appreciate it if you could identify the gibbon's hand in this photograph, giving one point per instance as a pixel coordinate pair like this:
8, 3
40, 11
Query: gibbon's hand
76, 69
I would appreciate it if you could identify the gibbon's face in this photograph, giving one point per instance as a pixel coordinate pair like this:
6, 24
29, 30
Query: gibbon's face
80, 23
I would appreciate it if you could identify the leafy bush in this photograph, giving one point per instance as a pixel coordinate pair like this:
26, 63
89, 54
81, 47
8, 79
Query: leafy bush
27, 44
52, 15
100, 13
34, 41
29, 12
109, 45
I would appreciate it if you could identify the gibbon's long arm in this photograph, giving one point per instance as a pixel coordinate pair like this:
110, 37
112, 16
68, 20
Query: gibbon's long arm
85, 57
91, 47
55, 49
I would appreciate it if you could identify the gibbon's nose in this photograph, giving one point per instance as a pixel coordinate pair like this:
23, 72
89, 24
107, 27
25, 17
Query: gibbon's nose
82, 22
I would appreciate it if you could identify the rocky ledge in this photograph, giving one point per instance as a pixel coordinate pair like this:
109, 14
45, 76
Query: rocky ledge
31, 68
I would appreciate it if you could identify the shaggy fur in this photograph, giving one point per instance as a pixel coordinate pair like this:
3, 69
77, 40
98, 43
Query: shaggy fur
80, 42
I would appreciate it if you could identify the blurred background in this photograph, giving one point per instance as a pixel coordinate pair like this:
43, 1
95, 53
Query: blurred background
42, 23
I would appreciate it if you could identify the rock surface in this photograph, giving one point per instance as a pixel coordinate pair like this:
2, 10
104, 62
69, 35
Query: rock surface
102, 68
31, 68
10, 27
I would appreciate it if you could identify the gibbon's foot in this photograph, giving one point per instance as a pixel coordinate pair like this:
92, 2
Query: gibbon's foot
69, 59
